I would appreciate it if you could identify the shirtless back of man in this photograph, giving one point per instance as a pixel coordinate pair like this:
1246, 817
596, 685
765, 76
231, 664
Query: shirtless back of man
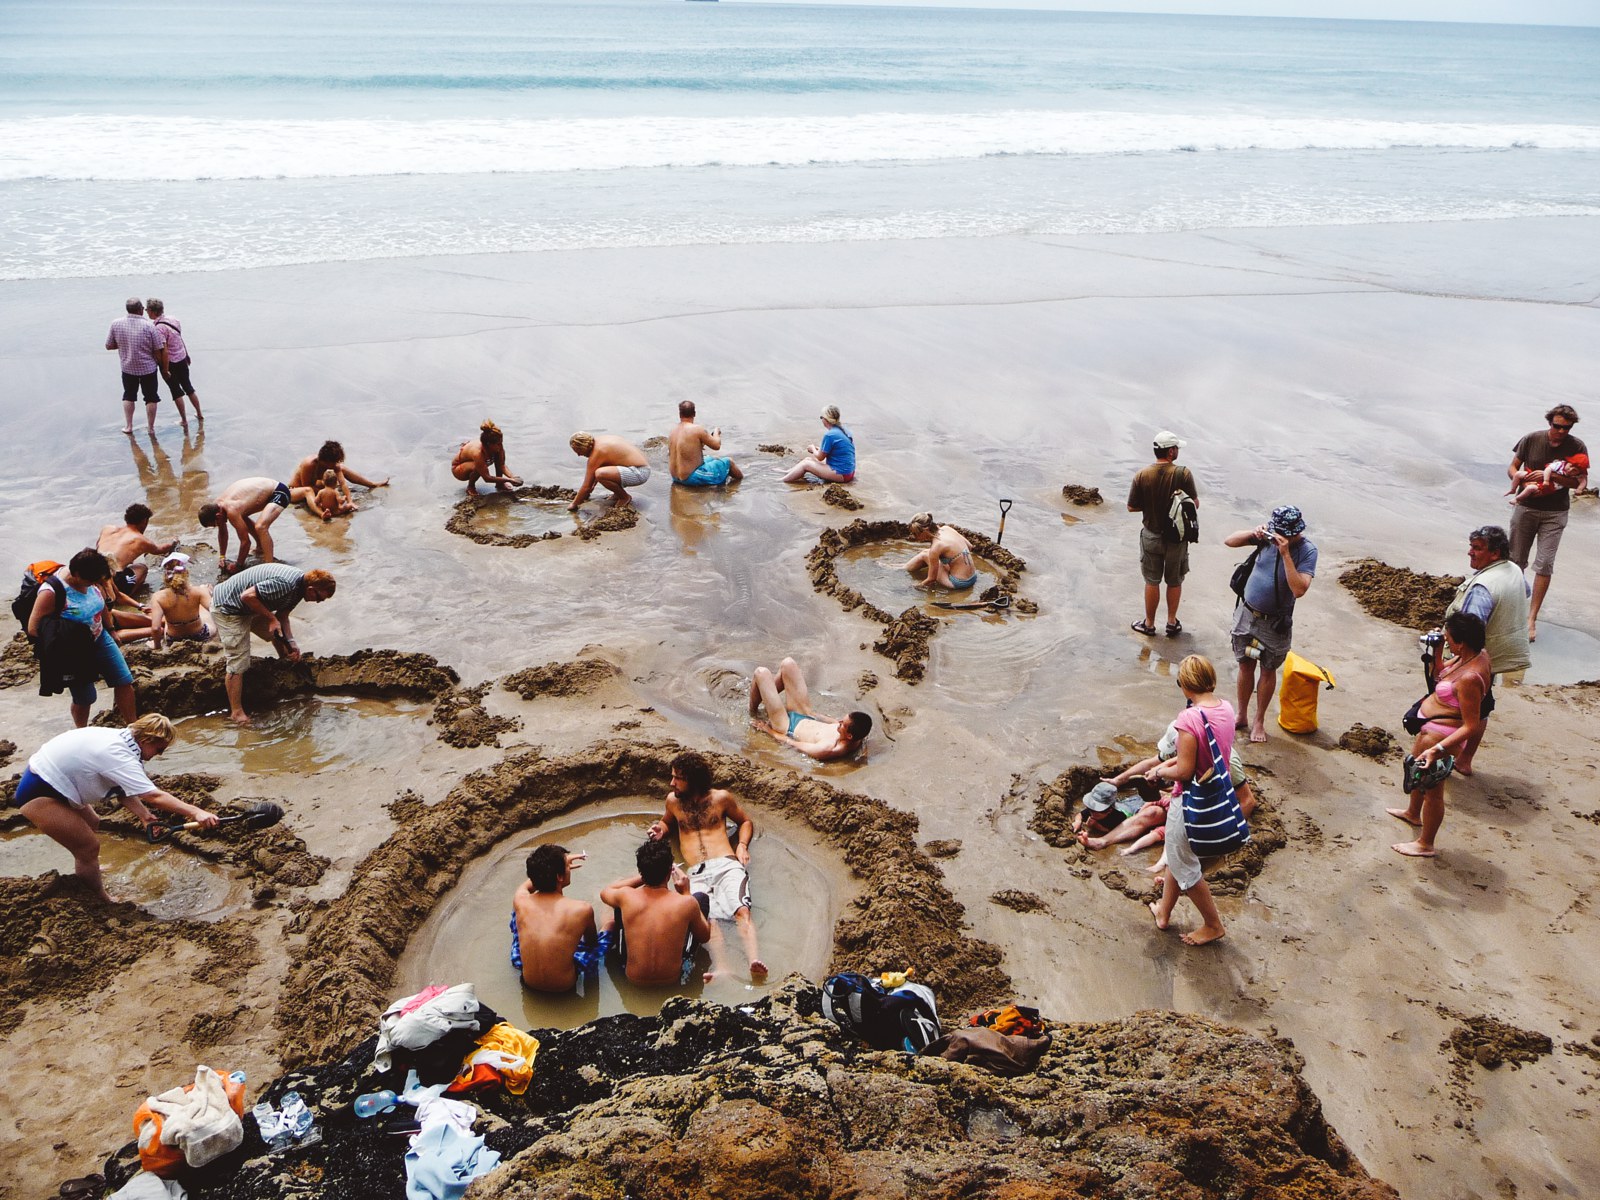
550, 928
656, 922
686, 448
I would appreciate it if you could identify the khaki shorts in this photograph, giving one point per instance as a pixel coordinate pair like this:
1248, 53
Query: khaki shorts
1542, 525
234, 634
1161, 560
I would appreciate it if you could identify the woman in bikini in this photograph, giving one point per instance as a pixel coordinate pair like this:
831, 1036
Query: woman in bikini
948, 558
484, 459
181, 611
1454, 715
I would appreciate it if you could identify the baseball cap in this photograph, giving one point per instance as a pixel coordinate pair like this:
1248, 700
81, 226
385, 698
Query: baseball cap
1166, 440
831, 413
175, 561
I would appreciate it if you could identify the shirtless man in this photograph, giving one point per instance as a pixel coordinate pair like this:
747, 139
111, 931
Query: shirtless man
181, 611
718, 870
549, 928
484, 459
249, 506
307, 479
657, 921
686, 453
124, 545
791, 721
613, 461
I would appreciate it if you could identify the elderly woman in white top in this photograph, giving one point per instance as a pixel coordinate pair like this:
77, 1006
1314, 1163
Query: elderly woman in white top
74, 769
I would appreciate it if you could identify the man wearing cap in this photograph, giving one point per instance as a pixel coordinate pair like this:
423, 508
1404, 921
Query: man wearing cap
1161, 560
1543, 518
143, 358
834, 461
180, 611
1263, 620
258, 600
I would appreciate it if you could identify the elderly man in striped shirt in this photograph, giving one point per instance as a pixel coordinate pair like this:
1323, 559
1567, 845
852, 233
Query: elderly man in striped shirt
138, 345
258, 601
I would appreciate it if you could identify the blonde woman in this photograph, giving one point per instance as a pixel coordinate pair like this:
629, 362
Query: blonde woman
180, 611
948, 559
74, 769
484, 459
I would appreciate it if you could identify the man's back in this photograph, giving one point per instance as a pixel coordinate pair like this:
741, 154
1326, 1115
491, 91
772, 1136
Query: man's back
121, 543
613, 451
549, 928
655, 924
136, 342
1151, 493
685, 449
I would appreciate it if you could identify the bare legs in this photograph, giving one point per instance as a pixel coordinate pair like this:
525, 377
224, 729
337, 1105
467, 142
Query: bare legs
1211, 927
611, 477
747, 937
74, 828
234, 685
812, 466
768, 691
1541, 585
1147, 818
1263, 694
1424, 810
1152, 601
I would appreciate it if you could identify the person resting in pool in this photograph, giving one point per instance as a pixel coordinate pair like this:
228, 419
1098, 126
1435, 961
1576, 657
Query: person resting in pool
552, 936
947, 562
655, 923
180, 611
787, 702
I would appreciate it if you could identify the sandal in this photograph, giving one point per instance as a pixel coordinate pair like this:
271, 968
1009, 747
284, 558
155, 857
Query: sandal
1174, 628
1144, 628
1438, 771
84, 1187
1409, 774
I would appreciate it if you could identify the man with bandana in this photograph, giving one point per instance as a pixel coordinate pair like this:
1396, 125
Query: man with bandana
1263, 621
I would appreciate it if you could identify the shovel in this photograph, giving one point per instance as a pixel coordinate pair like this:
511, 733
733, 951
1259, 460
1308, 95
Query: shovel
1005, 507
999, 604
257, 816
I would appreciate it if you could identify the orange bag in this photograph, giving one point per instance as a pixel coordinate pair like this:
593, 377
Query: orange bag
155, 1155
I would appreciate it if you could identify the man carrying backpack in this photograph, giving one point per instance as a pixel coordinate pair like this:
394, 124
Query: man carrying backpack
1280, 571
1166, 496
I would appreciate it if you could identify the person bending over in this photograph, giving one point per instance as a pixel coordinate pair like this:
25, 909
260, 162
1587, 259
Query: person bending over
655, 923
249, 507
947, 562
784, 696
612, 461
551, 935
484, 459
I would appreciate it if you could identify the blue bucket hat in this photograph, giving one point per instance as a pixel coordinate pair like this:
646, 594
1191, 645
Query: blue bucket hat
1286, 521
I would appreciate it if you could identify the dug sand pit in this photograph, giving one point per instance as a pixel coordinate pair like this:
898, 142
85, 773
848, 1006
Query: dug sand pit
471, 514
1398, 595
614, 520
905, 638
1057, 802
1371, 740
840, 497
1082, 496
343, 968
1018, 901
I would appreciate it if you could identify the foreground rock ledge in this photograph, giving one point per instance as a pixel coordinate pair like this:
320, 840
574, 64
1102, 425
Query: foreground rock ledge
771, 1101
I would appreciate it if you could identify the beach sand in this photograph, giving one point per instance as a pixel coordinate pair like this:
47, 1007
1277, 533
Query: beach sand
1375, 376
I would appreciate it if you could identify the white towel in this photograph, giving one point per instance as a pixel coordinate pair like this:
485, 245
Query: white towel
198, 1121
145, 1186
453, 1008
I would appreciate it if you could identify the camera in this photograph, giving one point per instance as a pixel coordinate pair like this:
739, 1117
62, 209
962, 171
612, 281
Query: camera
1431, 641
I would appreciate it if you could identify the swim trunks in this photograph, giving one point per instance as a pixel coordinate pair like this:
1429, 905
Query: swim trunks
280, 495
632, 476
618, 949
125, 580
726, 884
713, 472
588, 955
794, 719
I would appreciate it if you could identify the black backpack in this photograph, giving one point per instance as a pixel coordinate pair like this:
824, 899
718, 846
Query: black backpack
1241, 573
904, 1019
22, 606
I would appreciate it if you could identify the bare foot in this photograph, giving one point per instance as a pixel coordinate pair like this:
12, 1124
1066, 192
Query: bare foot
239, 718
708, 977
1155, 911
1258, 733
758, 969
1413, 849
1403, 814
622, 502
1093, 843
1464, 768
1533, 634
1204, 934
1130, 850
128, 431
1241, 723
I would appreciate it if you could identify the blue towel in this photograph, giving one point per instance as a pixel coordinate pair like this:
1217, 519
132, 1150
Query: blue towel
443, 1161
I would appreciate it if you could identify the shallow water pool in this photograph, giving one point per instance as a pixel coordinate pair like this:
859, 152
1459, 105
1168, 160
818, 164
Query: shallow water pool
163, 880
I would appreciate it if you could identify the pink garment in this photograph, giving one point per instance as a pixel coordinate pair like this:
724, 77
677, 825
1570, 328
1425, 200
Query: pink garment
413, 1003
1220, 716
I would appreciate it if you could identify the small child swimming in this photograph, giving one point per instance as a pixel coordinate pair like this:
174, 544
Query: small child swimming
1539, 483
330, 500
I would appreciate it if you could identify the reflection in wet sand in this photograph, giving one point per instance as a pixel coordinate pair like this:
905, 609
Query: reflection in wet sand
467, 936
163, 880
305, 735
172, 498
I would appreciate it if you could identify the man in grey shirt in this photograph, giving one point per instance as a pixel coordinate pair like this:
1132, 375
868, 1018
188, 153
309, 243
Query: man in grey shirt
258, 600
143, 357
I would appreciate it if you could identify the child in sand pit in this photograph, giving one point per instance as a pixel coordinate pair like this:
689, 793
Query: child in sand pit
947, 562
1539, 483
330, 502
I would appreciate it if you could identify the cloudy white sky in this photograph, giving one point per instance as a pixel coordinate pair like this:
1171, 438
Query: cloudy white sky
1506, 12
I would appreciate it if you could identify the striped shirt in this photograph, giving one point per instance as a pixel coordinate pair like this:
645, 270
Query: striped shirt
136, 342
170, 331
277, 586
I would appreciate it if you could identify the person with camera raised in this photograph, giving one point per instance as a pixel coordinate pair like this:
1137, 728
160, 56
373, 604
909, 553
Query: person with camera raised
1284, 563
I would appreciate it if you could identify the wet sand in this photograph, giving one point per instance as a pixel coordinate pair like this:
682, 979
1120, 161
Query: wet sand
1375, 376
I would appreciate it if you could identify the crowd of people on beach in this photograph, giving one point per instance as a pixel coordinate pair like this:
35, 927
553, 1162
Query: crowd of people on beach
80, 614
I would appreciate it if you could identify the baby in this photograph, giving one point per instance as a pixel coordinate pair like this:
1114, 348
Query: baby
1538, 483
330, 502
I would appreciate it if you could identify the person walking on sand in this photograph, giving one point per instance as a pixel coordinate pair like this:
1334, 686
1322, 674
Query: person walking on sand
686, 453
307, 478
249, 507
1541, 519
1263, 618
612, 461
1183, 875
947, 562
1453, 716
125, 544
834, 461
80, 648
719, 875
655, 923
1496, 592
548, 928
143, 358
259, 601
789, 718
1160, 560
484, 459
74, 770
175, 365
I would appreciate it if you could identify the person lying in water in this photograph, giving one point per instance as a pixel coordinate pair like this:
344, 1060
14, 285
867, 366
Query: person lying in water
551, 934
947, 562
655, 923
718, 870
787, 702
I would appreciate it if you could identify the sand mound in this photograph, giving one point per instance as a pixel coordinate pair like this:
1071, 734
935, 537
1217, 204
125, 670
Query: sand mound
905, 638
1370, 740
16, 662
381, 674
464, 722
1055, 804
464, 516
1018, 901
342, 970
775, 448
1081, 495
1398, 595
840, 497
566, 679
613, 520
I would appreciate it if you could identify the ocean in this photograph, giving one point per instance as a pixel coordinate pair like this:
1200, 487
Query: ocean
150, 138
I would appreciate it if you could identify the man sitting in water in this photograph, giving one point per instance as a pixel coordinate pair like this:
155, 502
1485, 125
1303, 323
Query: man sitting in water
790, 719
686, 453
656, 922
613, 461
718, 874
181, 610
551, 935
249, 506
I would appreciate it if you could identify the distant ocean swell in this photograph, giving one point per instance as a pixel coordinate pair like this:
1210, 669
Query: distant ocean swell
186, 148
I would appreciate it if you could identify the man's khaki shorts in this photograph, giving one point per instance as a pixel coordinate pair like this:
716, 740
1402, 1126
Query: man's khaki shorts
234, 634
1161, 560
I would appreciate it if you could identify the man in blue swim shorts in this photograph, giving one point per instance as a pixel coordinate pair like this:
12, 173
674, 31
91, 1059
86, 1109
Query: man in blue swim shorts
686, 453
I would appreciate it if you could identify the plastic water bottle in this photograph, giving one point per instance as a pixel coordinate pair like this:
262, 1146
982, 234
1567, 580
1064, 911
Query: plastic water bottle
269, 1122
236, 1077
373, 1103
297, 1117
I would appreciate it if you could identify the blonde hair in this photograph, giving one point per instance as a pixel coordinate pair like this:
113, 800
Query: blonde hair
153, 727
1197, 675
490, 432
330, 478
582, 443
923, 520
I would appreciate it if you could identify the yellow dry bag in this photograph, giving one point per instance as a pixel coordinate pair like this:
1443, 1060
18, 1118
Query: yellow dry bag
1297, 700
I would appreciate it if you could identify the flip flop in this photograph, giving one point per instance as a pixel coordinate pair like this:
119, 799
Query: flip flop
1141, 627
83, 1187
1409, 774
1438, 771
